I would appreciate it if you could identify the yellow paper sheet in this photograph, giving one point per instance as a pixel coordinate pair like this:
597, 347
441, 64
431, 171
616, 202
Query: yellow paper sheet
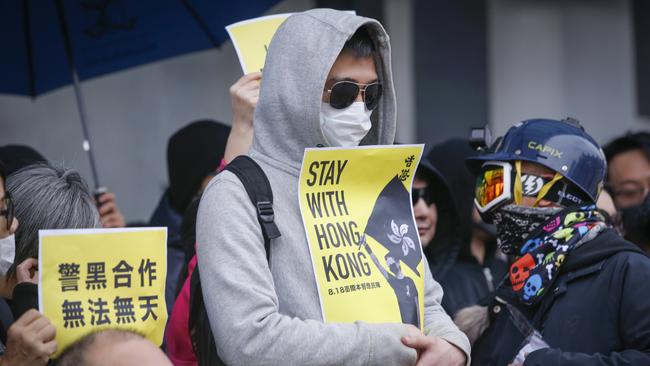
251, 39
94, 279
354, 202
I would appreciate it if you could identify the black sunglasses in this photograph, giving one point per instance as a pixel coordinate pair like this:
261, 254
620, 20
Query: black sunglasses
344, 93
8, 212
417, 193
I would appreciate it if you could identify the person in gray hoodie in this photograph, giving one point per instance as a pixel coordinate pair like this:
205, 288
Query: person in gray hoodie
268, 312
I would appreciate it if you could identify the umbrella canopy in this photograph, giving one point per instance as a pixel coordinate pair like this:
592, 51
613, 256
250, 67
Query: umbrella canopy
105, 36
47, 44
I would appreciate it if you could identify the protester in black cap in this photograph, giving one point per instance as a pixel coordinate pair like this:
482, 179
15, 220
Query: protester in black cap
460, 248
194, 154
16, 157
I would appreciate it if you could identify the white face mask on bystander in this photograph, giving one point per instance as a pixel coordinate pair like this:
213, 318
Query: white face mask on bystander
7, 253
345, 127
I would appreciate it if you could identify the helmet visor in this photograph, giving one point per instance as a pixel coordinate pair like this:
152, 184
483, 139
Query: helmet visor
493, 185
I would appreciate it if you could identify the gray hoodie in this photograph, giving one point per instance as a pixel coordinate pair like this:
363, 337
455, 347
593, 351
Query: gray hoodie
271, 315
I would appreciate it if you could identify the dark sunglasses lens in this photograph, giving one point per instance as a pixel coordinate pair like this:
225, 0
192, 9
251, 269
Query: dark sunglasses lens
372, 94
10, 212
416, 194
343, 95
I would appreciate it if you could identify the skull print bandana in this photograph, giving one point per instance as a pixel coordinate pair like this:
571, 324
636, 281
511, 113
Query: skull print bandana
544, 250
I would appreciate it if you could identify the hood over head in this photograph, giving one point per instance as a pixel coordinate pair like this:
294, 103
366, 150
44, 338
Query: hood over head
193, 152
299, 58
449, 157
440, 194
16, 157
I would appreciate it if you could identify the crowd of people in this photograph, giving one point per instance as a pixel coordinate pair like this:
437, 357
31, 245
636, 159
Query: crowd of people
535, 245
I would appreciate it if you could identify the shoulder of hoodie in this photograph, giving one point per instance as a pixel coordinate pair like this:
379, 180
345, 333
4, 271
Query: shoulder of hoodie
224, 184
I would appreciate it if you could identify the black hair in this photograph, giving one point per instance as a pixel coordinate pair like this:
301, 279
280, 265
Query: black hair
188, 239
360, 44
16, 157
628, 142
3, 172
203, 343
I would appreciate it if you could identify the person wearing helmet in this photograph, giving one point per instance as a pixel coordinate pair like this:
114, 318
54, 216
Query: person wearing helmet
573, 294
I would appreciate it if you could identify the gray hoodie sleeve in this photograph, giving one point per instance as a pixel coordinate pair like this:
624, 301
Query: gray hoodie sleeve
242, 304
436, 321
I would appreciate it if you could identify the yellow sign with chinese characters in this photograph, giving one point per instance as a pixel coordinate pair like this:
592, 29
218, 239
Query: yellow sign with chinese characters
251, 39
365, 249
94, 279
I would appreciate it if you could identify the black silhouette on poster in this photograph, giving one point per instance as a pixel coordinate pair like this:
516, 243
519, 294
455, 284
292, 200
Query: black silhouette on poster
391, 225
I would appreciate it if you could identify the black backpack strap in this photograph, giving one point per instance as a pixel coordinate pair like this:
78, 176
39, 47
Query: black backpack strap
259, 191
203, 344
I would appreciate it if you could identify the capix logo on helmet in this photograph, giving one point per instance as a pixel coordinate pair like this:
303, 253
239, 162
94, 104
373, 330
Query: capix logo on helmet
545, 149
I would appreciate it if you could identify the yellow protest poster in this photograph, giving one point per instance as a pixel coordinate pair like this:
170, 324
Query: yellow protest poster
365, 249
94, 279
251, 39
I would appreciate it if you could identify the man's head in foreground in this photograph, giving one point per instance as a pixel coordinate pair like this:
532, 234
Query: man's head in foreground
332, 87
113, 347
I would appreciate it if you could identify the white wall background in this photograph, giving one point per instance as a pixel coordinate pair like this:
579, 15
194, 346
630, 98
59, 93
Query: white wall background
546, 58
563, 58
132, 113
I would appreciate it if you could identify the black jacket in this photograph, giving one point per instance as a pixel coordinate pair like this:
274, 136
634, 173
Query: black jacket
597, 312
467, 282
464, 280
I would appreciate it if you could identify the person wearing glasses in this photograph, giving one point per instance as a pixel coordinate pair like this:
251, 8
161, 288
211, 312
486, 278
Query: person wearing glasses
628, 181
326, 82
30, 339
574, 292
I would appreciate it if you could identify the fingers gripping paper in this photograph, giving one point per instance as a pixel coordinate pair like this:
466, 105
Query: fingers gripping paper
365, 249
94, 279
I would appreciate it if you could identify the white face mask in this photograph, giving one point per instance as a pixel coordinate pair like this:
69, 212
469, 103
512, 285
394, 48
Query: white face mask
7, 253
345, 127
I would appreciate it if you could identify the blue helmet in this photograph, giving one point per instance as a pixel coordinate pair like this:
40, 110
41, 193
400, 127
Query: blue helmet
562, 146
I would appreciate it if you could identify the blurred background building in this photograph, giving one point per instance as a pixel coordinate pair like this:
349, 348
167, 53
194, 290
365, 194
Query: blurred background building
457, 64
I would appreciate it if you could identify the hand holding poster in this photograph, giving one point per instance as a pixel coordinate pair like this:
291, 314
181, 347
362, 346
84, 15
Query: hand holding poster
365, 249
94, 279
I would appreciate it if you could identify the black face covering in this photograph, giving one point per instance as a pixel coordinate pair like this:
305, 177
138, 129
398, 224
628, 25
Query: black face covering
636, 223
514, 223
